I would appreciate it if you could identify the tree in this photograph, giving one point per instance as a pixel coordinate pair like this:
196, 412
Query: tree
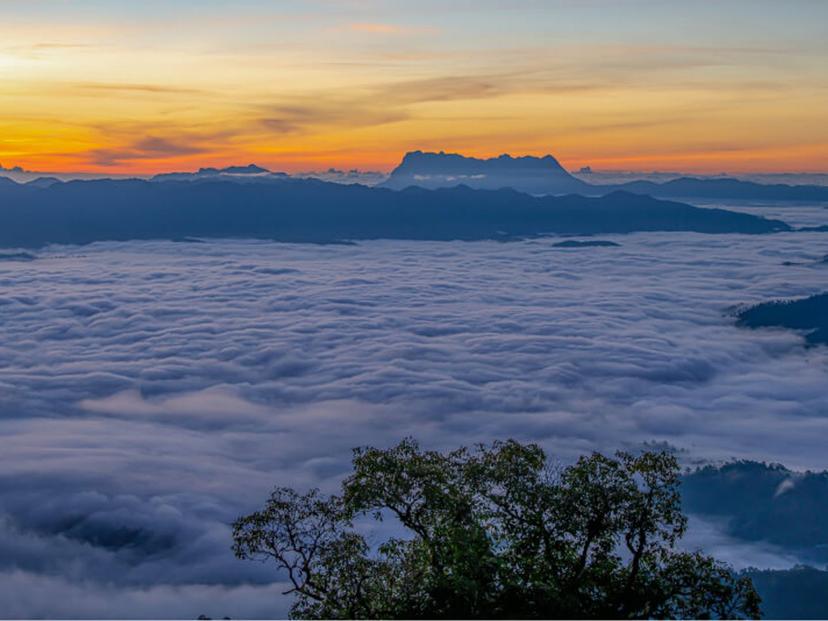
494, 532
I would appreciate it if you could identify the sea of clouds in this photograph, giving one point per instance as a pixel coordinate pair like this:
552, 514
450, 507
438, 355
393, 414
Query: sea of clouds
151, 392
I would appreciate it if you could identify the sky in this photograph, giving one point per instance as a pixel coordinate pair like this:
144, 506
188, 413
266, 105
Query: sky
142, 87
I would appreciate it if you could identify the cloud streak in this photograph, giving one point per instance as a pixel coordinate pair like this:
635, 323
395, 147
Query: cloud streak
379, 28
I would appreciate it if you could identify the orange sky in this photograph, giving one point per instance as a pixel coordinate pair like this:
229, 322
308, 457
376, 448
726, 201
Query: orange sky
729, 86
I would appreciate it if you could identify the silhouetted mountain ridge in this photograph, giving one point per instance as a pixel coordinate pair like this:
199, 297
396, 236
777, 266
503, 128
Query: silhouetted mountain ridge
797, 593
764, 502
250, 169
534, 175
545, 175
727, 188
307, 210
43, 182
251, 172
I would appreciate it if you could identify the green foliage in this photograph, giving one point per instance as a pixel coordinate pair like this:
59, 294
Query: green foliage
495, 533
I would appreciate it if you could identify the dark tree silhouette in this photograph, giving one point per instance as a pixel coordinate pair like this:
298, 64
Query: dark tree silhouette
494, 532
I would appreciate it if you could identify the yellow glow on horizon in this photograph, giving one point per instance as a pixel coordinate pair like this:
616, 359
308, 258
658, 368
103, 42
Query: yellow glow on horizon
357, 93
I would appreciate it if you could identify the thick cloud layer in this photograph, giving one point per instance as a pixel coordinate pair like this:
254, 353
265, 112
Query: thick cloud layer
153, 391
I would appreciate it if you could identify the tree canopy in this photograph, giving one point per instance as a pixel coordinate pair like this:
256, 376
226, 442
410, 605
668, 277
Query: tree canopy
494, 532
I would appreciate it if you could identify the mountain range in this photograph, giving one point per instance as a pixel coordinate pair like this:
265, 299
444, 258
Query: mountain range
532, 175
545, 175
308, 210
251, 172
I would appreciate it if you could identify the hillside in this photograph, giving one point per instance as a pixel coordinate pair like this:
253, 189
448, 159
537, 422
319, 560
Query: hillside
315, 211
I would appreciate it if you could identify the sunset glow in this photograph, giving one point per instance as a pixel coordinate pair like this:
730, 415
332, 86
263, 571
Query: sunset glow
159, 86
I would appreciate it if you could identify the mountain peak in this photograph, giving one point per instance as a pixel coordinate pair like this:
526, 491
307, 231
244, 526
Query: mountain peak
528, 173
250, 169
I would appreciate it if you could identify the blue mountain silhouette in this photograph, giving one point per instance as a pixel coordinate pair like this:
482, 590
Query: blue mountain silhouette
307, 210
545, 175
534, 175
251, 172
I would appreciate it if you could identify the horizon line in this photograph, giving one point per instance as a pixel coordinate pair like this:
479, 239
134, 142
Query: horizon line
275, 167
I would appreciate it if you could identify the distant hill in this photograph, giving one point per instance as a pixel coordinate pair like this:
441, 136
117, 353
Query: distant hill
251, 172
761, 502
808, 314
43, 182
529, 174
726, 188
764, 502
308, 210
544, 175
798, 593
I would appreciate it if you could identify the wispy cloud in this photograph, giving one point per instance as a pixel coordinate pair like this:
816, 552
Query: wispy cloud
376, 105
313, 114
125, 87
151, 147
375, 28
379, 28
